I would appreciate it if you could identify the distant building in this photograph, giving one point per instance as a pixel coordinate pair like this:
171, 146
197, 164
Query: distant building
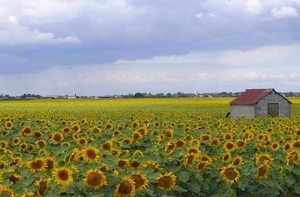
260, 102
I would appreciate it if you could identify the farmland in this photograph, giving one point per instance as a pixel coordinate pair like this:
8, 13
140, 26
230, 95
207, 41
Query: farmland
145, 147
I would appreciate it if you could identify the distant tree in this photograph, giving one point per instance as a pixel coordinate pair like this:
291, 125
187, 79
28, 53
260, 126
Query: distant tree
168, 95
160, 95
138, 95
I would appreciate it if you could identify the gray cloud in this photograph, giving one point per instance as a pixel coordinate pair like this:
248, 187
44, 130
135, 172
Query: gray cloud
126, 46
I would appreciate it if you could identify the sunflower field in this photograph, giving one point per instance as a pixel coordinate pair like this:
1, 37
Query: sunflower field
145, 147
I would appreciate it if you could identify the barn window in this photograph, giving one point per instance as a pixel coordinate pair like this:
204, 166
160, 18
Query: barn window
273, 109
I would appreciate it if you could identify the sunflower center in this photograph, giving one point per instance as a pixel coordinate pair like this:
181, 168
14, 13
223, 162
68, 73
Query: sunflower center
63, 175
91, 154
165, 182
57, 137
94, 179
125, 187
230, 173
121, 163
43, 187
138, 180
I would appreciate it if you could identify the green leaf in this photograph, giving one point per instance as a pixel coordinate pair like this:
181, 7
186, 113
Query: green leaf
289, 180
151, 148
183, 176
297, 188
229, 192
242, 183
194, 187
296, 171
179, 189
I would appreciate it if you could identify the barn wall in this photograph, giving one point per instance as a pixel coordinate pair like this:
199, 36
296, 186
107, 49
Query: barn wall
284, 105
247, 111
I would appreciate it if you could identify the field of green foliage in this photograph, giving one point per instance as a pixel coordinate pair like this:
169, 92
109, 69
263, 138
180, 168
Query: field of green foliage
145, 147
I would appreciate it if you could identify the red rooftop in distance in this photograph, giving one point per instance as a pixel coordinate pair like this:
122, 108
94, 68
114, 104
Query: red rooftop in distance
251, 96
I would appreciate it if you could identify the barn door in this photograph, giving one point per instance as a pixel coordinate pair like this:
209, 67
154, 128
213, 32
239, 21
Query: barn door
273, 109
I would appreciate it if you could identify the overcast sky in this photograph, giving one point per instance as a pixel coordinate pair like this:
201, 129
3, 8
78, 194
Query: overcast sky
102, 47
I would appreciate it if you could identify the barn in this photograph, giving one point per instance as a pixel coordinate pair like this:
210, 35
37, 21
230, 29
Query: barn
260, 102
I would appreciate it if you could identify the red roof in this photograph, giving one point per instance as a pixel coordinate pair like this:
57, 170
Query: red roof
251, 96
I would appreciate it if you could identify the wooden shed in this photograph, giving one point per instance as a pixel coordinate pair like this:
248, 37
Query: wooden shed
260, 102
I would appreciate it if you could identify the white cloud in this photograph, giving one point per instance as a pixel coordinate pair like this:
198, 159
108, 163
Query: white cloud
253, 6
223, 70
17, 34
284, 12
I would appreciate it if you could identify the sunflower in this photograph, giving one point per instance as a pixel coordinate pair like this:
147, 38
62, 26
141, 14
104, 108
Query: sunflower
96, 129
153, 165
201, 165
287, 147
81, 141
27, 131
76, 128
15, 178
43, 152
226, 157
126, 188
57, 137
263, 171
229, 146
296, 144
238, 161
90, 154
205, 137
135, 124
51, 163
292, 157
115, 152
275, 146
136, 136
157, 124
134, 165
43, 185
37, 165
3, 144
143, 131
62, 176
194, 150
166, 181
127, 141
6, 191
16, 141
140, 180
65, 144
206, 158
38, 134
9, 124
170, 147
215, 142
180, 143
169, 133
121, 163
230, 174
227, 136
66, 130
107, 145
23, 146
138, 153
30, 148
116, 173
263, 158
94, 179
3, 164
109, 126
240, 144
104, 168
